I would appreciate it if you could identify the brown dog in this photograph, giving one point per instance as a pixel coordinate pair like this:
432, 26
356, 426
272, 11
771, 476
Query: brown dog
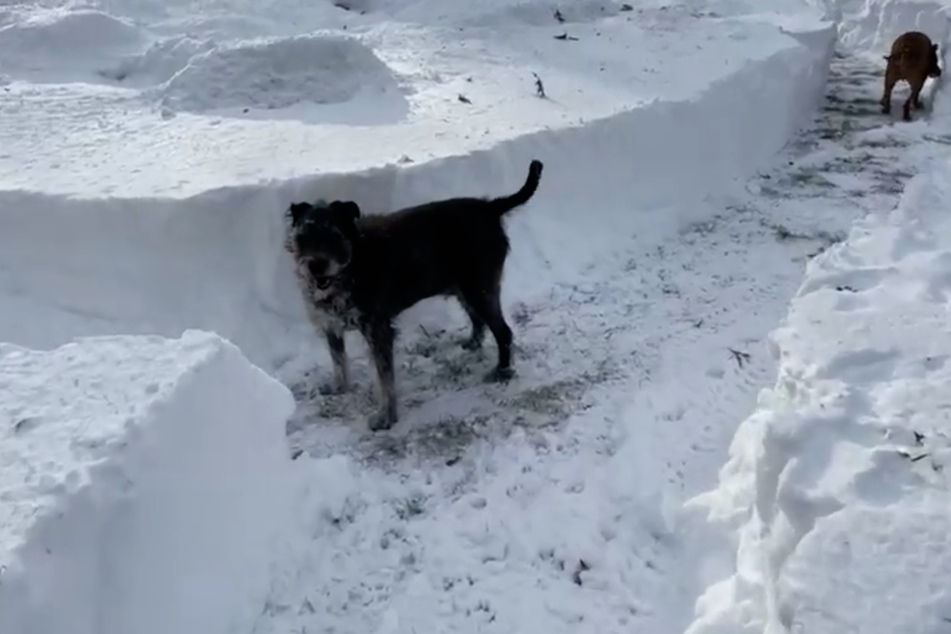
913, 59
359, 272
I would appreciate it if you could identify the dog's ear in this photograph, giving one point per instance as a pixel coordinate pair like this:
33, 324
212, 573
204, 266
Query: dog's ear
296, 212
934, 47
346, 209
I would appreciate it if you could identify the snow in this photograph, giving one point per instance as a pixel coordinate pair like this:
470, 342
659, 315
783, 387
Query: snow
50, 45
410, 78
837, 483
831, 513
278, 73
144, 483
147, 154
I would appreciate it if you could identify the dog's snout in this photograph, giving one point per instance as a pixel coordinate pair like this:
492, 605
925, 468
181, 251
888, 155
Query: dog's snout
318, 266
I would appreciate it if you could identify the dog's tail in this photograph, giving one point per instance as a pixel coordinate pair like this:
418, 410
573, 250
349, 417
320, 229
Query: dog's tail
507, 203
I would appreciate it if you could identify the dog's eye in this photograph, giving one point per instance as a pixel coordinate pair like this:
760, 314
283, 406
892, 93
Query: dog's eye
322, 282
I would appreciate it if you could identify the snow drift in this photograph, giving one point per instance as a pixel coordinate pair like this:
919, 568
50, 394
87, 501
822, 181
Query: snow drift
279, 72
144, 483
53, 45
874, 24
836, 486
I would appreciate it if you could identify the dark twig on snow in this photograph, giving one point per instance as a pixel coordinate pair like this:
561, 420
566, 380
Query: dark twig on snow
539, 87
739, 357
559, 16
464, 99
576, 575
905, 454
566, 37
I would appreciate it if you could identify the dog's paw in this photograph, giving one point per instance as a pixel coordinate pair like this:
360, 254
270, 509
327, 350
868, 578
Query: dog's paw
381, 421
500, 375
332, 388
472, 344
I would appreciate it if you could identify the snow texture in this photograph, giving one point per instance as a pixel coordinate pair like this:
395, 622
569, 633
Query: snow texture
148, 152
833, 508
144, 485
279, 73
837, 483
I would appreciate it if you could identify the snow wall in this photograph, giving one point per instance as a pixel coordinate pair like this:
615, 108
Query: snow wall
145, 486
836, 487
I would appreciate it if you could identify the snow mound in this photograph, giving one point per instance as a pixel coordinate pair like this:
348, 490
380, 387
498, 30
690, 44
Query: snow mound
63, 45
143, 485
276, 73
874, 24
836, 494
159, 62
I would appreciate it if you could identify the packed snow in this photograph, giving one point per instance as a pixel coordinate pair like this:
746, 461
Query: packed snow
698, 157
145, 483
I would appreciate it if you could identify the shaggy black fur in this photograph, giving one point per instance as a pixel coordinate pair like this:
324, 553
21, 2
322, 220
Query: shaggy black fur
360, 272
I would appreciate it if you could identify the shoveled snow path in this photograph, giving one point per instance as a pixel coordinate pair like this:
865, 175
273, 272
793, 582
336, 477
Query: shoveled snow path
631, 383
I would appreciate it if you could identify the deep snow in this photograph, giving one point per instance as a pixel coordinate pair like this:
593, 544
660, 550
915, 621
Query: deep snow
144, 195
145, 482
836, 486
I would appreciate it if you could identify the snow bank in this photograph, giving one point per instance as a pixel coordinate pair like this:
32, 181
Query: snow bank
874, 24
277, 73
143, 482
206, 253
835, 497
50, 45
159, 62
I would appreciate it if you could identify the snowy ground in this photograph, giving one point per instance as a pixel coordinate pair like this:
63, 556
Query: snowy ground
144, 173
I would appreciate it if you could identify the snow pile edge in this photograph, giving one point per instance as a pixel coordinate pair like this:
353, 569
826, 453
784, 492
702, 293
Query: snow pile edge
834, 501
145, 486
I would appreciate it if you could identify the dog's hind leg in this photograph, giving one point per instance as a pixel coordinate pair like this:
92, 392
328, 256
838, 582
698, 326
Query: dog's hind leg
487, 304
380, 336
914, 99
891, 78
338, 354
474, 342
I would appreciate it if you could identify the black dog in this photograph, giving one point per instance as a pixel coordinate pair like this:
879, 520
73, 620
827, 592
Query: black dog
359, 273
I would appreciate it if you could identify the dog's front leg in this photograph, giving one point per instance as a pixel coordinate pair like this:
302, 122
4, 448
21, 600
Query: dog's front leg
338, 354
379, 336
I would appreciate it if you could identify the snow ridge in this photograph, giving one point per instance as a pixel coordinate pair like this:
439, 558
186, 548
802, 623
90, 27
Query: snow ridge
836, 485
